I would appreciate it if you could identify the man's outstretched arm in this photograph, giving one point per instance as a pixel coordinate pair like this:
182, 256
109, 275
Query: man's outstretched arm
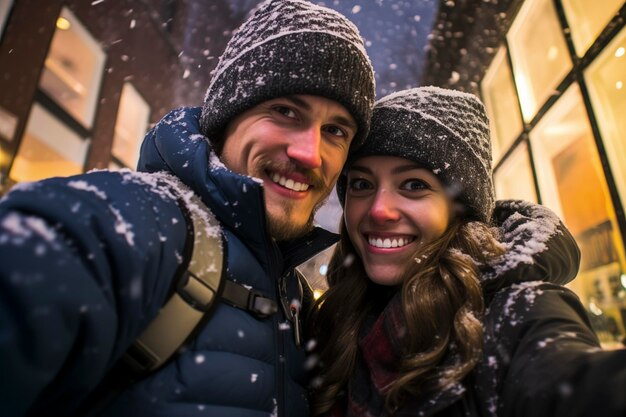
85, 264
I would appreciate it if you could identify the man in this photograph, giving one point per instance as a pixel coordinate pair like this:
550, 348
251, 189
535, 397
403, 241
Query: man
88, 261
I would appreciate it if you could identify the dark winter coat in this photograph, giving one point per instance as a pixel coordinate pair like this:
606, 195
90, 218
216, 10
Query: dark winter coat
87, 261
540, 356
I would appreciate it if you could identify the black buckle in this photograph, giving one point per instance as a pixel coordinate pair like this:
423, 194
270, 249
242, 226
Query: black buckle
261, 306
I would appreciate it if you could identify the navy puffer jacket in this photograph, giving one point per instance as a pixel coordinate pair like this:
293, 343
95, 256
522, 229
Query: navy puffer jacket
237, 365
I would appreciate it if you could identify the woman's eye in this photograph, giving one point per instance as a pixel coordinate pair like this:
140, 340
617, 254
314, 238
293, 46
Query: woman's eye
334, 130
415, 185
359, 184
285, 111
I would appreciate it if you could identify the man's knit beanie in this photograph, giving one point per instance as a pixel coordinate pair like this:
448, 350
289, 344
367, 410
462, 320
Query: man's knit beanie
289, 47
443, 130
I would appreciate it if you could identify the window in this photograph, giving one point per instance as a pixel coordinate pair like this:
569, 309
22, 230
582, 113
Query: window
130, 127
572, 183
514, 178
539, 54
587, 19
5, 160
73, 69
48, 148
606, 81
498, 93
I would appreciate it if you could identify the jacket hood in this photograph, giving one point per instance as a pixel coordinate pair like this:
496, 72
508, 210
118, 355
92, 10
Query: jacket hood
538, 246
176, 145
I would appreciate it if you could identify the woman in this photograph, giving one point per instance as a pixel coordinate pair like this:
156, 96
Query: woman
431, 309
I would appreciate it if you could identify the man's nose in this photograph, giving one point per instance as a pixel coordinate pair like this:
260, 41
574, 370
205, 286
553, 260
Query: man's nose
384, 208
305, 148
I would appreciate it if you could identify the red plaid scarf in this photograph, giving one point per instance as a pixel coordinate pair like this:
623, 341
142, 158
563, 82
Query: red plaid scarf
381, 348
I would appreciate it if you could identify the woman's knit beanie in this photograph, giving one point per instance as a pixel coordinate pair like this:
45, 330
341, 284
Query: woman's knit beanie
443, 130
289, 47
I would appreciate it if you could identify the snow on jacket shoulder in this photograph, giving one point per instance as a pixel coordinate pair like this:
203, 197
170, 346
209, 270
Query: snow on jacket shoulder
541, 356
85, 264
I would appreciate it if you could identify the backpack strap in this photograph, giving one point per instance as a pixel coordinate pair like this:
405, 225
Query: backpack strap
197, 285
193, 298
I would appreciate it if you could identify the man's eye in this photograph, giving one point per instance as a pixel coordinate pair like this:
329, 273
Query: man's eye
359, 184
334, 130
415, 185
285, 111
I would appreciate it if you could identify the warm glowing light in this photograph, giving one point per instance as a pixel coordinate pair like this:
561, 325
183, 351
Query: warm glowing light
63, 23
619, 85
620, 52
317, 294
526, 97
4, 159
553, 53
623, 279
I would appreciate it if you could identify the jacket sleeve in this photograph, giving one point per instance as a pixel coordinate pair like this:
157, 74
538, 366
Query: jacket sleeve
85, 264
552, 364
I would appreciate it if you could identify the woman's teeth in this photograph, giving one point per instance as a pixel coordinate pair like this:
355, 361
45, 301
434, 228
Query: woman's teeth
389, 243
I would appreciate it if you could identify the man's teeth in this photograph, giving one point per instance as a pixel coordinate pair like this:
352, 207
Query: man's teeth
389, 243
289, 183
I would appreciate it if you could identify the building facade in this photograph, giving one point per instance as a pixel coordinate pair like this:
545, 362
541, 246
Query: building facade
552, 74
82, 81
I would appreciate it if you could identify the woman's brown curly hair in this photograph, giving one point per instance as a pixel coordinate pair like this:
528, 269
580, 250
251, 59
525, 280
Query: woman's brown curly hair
442, 301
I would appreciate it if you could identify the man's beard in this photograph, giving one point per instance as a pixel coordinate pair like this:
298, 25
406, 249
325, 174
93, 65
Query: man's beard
282, 228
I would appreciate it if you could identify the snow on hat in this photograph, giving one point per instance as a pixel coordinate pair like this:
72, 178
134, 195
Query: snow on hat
289, 47
443, 130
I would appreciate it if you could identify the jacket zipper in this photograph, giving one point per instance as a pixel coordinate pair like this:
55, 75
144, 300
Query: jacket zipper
279, 338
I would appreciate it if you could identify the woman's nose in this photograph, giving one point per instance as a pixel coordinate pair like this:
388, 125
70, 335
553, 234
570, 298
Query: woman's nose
383, 208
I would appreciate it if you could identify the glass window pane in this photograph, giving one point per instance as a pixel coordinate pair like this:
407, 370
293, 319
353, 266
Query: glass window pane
73, 69
606, 80
539, 54
514, 177
131, 126
5, 160
5, 7
572, 183
500, 99
587, 19
48, 149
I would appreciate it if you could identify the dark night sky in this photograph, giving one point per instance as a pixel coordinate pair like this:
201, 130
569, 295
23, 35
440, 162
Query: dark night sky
396, 33
396, 36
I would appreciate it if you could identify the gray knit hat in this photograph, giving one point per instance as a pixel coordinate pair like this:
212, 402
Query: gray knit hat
446, 131
289, 47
